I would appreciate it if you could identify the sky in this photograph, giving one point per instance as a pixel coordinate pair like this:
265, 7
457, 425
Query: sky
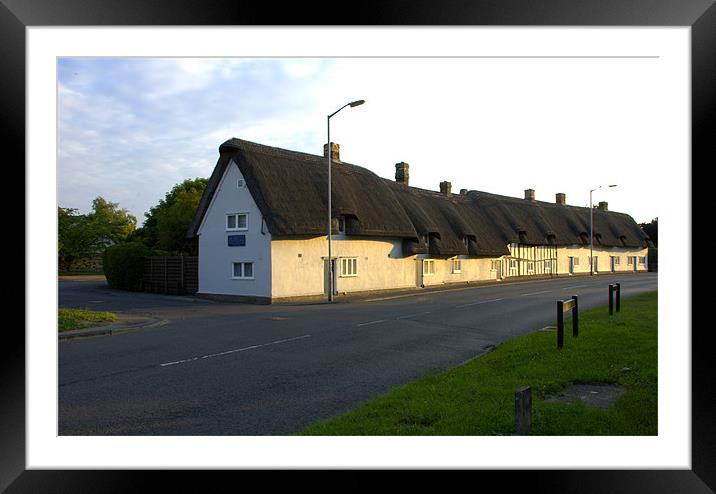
131, 128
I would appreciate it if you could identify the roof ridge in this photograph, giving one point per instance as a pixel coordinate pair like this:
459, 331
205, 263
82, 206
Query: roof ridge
242, 144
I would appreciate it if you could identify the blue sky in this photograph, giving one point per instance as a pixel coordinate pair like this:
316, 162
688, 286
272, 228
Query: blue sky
131, 128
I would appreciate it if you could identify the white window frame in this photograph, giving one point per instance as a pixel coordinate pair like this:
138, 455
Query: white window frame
530, 267
494, 264
242, 277
428, 267
456, 266
349, 267
548, 265
616, 260
642, 259
236, 219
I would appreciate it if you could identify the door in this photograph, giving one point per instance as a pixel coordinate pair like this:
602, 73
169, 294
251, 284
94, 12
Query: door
613, 265
571, 265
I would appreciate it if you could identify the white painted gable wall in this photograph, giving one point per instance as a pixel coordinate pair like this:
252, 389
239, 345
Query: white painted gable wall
216, 257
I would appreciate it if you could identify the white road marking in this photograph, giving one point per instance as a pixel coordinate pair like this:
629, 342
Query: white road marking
211, 355
478, 302
534, 293
372, 322
575, 286
413, 315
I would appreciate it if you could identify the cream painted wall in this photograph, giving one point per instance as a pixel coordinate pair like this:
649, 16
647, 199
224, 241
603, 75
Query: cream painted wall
216, 257
298, 266
604, 262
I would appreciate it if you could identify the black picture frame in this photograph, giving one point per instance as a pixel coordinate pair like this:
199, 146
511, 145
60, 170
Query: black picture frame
16, 15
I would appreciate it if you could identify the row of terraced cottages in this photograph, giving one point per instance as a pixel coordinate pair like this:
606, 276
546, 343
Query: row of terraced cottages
262, 230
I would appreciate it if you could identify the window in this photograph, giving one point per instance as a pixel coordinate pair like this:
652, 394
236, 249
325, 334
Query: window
642, 260
349, 266
513, 263
456, 266
616, 260
243, 270
240, 183
237, 221
548, 266
530, 267
428, 267
341, 225
576, 260
494, 265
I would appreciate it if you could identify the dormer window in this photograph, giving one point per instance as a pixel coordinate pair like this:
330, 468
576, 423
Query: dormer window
523, 236
341, 225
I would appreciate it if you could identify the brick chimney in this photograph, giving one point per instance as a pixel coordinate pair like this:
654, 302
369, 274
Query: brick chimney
335, 154
402, 173
561, 198
604, 205
530, 194
446, 188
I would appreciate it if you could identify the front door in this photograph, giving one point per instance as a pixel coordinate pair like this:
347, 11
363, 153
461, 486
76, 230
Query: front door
612, 264
571, 265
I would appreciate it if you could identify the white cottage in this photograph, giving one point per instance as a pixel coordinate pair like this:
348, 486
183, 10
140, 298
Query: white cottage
262, 230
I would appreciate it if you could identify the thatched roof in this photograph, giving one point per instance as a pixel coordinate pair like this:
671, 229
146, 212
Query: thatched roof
290, 187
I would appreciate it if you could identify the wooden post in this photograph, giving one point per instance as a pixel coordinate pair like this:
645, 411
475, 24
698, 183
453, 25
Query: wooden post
575, 316
619, 296
560, 324
523, 411
611, 300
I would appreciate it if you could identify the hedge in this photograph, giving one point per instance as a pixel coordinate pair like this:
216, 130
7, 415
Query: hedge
124, 265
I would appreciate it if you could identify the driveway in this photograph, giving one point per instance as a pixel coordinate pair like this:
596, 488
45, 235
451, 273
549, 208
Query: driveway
236, 369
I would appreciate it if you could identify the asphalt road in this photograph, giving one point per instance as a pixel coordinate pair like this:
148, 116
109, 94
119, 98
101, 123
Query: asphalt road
237, 369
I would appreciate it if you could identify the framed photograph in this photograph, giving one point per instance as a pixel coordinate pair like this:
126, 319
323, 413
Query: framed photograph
637, 78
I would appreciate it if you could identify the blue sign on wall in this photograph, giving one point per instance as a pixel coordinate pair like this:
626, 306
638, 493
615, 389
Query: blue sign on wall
237, 240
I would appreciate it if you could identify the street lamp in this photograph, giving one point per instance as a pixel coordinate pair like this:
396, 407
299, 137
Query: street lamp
591, 230
330, 152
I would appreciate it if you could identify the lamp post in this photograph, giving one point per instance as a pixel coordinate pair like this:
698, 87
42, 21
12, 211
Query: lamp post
591, 230
330, 216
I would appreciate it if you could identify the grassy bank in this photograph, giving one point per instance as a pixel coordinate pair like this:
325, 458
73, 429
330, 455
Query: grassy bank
69, 319
477, 398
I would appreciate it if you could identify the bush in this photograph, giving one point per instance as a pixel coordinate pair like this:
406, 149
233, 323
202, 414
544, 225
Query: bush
124, 265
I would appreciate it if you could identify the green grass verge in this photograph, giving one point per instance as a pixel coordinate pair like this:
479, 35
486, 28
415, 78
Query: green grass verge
69, 319
477, 398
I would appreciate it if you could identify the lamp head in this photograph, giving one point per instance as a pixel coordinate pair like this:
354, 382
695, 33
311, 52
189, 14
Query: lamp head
357, 103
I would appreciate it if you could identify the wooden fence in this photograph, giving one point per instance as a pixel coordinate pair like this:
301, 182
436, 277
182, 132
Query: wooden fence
172, 275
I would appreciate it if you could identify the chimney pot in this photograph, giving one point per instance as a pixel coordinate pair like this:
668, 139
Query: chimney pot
446, 188
561, 198
402, 173
530, 194
335, 152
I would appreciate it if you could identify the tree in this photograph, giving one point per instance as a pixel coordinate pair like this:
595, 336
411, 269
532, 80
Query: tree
166, 223
86, 235
75, 238
111, 224
652, 229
